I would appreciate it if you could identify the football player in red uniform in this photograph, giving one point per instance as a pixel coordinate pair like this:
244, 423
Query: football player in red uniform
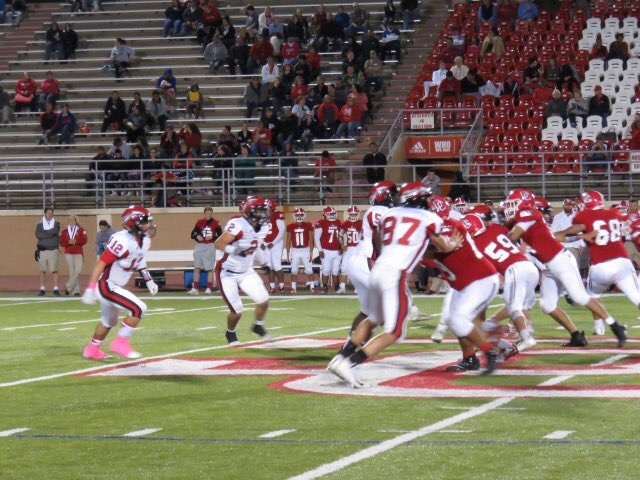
327, 241
561, 268
300, 247
460, 205
350, 231
273, 245
602, 229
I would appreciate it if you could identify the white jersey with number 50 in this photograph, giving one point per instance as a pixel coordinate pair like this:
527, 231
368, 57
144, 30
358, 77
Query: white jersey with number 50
247, 239
130, 256
405, 236
370, 224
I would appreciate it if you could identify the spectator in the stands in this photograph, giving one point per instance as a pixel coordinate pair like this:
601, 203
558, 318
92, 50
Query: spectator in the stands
351, 77
577, 108
458, 38
599, 159
25, 93
226, 137
374, 162
270, 71
493, 43
487, 13
134, 126
569, 78
192, 138
123, 148
328, 115
244, 170
169, 142
65, 126
193, 102
288, 128
459, 69
308, 131
510, 87
157, 111
270, 120
358, 19
6, 114
69, 42
216, 54
244, 135
619, 49
167, 86
634, 133
390, 41
527, 10
299, 89
239, 56
290, 51
121, 57
251, 20
599, 51
373, 71
227, 32
261, 144
301, 69
321, 88
300, 108
552, 72
557, 106
115, 112
342, 19
133, 170
471, 83
389, 11
260, 51
48, 120
53, 42
172, 19
351, 60
361, 99
460, 188
50, 91
97, 168
295, 28
330, 35
350, 115
369, 43
450, 86
600, 105
340, 92
288, 77
255, 96
543, 93
181, 167
326, 168
265, 19
277, 94
410, 12
432, 181
532, 72
191, 17
16, 11
437, 76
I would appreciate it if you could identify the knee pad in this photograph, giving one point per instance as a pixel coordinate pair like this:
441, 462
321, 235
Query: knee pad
459, 325
513, 314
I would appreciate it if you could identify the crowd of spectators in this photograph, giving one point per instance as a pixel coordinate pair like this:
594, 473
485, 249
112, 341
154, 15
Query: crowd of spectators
12, 12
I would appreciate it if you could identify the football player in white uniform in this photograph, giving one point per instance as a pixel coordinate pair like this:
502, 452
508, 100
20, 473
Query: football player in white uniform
123, 256
239, 241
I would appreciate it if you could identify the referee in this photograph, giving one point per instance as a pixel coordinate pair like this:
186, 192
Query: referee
205, 232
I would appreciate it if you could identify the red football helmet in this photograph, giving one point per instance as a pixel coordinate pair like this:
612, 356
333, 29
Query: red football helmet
382, 193
272, 204
592, 200
243, 202
473, 224
137, 220
299, 214
517, 199
623, 206
353, 213
414, 194
330, 213
484, 212
256, 210
449, 201
542, 205
460, 205
440, 206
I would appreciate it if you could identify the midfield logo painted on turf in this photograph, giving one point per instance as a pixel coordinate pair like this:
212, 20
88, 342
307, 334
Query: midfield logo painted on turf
410, 374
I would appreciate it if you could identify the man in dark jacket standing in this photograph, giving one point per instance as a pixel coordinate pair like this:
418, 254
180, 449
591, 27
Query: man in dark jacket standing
375, 161
48, 233
115, 111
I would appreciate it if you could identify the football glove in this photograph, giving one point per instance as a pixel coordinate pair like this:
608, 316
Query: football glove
89, 296
152, 286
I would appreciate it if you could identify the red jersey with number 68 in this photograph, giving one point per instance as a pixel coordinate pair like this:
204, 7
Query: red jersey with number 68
495, 245
465, 265
405, 236
300, 233
537, 234
608, 243
351, 232
329, 231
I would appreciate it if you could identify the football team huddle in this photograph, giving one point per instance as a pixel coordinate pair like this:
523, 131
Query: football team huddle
475, 250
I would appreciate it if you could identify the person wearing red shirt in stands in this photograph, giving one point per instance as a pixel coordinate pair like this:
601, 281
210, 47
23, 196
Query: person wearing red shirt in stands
450, 86
210, 14
26, 93
313, 61
350, 115
599, 50
543, 93
328, 114
192, 138
262, 137
299, 89
50, 91
259, 52
449, 52
72, 239
290, 51
326, 167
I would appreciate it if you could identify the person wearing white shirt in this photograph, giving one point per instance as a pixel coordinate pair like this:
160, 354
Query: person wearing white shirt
564, 220
459, 69
270, 71
436, 78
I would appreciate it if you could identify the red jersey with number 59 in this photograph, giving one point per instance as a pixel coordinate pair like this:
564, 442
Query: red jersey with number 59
405, 236
465, 265
329, 234
351, 232
300, 233
537, 234
608, 243
495, 245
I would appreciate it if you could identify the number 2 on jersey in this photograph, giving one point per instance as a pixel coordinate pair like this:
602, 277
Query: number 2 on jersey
389, 230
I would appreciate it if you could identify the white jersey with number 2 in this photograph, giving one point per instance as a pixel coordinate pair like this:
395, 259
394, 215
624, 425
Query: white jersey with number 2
247, 239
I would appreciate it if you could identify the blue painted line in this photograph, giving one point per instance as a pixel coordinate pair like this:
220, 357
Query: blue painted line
24, 436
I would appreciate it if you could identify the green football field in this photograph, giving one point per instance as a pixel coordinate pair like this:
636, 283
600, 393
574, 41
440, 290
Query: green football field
194, 408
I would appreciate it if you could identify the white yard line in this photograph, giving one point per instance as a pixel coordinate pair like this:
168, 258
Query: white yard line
469, 408
276, 433
158, 357
611, 360
555, 381
34, 300
206, 328
559, 434
66, 329
140, 433
8, 433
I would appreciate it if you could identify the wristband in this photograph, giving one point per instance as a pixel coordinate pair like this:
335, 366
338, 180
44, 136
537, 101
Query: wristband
145, 275
91, 286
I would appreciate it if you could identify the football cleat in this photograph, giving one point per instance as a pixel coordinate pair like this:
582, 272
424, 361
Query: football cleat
260, 331
466, 364
578, 339
437, 335
42, 293
509, 352
121, 346
334, 361
340, 291
344, 370
193, 291
232, 338
523, 345
493, 360
598, 328
620, 331
93, 352
207, 291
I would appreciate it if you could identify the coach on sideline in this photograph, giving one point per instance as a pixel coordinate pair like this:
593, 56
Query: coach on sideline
205, 232
47, 253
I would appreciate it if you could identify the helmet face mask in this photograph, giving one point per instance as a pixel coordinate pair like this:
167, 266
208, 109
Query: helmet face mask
137, 220
474, 224
353, 213
256, 211
383, 193
592, 200
299, 215
330, 214
460, 205
518, 199
414, 194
